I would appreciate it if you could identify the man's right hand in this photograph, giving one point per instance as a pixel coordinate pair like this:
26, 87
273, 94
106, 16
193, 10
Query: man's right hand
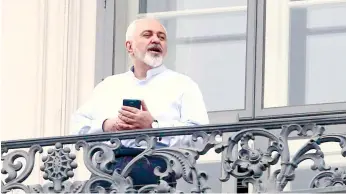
115, 124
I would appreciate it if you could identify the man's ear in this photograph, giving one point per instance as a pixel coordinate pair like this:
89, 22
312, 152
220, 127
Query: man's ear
128, 45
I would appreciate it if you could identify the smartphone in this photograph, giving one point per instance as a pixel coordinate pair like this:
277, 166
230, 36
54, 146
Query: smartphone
132, 103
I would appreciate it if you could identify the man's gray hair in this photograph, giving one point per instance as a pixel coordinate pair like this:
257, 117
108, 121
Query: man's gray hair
132, 27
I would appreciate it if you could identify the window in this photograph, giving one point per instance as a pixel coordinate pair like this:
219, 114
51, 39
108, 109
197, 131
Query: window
304, 60
251, 58
204, 47
197, 29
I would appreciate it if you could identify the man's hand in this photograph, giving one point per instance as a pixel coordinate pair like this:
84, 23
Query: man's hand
115, 124
138, 119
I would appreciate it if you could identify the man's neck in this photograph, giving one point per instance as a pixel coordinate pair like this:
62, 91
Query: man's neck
140, 70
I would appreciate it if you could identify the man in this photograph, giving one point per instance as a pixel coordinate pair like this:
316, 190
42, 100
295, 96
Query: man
168, 99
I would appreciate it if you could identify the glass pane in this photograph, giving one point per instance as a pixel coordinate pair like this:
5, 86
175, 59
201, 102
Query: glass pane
316, 17
211, 53
150, 6
325, 68
211, 25
305, 54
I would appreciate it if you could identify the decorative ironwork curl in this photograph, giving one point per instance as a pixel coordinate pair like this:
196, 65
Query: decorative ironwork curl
181, 162
98, 158
249, 163
335, 177
11, 166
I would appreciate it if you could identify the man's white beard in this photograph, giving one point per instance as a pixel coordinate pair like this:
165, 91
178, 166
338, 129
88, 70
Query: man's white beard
153, 61
149, 59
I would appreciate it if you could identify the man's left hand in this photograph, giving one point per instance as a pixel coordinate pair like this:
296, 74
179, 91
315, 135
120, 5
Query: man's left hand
140, 119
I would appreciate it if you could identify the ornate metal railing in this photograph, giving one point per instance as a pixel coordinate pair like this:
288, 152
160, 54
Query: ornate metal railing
247, 163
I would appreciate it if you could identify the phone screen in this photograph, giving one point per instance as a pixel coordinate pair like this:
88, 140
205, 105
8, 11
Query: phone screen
132, 103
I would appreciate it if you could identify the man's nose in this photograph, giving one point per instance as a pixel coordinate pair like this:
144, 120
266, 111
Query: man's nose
155, 39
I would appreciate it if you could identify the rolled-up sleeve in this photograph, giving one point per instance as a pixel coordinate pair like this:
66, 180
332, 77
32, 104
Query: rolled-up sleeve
83, 120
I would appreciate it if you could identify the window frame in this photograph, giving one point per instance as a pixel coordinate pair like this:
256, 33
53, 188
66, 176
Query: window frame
284, 111
105, 11
248, 111
114, 16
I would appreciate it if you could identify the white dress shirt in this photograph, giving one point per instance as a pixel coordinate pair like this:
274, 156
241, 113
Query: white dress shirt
173, 99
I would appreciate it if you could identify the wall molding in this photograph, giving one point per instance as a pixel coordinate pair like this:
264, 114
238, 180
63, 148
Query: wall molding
71, 73
41, 95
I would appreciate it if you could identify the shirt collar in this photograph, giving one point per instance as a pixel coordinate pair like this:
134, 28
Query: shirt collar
151, 72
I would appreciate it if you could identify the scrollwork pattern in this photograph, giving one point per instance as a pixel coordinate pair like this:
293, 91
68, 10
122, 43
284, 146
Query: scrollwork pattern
245, 162
335, 177
252, 163
180, 161
11, 167
249, 163
97, 158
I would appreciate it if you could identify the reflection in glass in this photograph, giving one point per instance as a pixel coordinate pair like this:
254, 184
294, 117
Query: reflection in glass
212, 54
150, 6
305, 54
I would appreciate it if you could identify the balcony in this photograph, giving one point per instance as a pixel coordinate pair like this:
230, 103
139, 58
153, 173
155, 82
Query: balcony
278, 65
244, 159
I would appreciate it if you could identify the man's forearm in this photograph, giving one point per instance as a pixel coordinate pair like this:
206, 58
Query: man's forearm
82, 124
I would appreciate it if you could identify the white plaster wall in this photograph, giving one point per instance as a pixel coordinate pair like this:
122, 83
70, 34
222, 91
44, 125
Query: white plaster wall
47, 67
47, 64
